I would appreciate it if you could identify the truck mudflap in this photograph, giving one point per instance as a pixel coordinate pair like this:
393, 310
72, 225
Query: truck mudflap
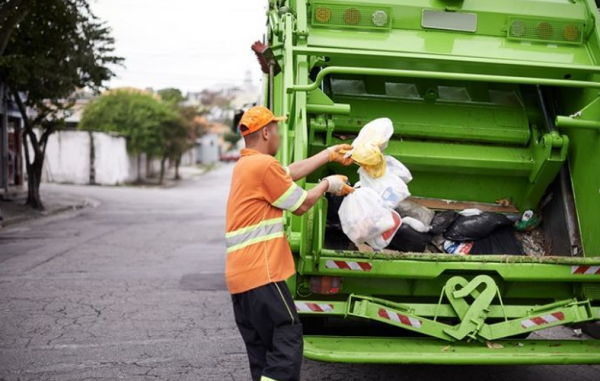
473, 324
435, 351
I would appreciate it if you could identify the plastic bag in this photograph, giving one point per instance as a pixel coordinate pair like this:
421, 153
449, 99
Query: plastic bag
460, 248
377, 132
396, 168
370, 158
416, 211
391, 189
408, 240
363, 216
417, 225
501, 241
382, 241
476, 227
371, 140
441, 221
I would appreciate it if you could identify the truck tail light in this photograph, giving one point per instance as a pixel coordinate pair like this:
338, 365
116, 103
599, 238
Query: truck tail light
352, 16
545, 30
325, 285
323, 14
379, 18
571, 32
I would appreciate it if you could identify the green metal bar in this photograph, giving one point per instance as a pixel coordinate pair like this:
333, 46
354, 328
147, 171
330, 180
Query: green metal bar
565, 121
441, 75
464, 258
415, 269
423, 57
340, 109
429, 310
434, 351
406, 320
576, 313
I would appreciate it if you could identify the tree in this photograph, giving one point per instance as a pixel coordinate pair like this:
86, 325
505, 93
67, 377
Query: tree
140, 117
59, 46
171, 95
183, 134
176, 137
232, 138
12, 13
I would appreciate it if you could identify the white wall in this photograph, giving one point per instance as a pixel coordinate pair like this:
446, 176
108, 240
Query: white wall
67, 158
208, 149
111, 162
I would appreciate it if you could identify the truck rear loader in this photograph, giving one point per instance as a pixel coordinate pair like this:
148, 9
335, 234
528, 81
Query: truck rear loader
495, 105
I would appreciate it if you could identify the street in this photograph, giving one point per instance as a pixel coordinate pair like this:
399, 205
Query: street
133, 289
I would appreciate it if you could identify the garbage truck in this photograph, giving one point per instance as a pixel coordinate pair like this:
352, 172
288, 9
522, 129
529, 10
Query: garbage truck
495, 106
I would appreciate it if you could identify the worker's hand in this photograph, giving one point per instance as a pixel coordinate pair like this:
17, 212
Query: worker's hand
338, 185
338, 152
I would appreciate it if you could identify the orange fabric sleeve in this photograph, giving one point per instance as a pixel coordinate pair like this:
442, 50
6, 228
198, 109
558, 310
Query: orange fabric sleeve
280, 190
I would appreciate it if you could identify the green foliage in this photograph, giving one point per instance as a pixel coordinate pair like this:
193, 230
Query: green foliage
53, 48
232, 137
60, 46
171, 95
140, 117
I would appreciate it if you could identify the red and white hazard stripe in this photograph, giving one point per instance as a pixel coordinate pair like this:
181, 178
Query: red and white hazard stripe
348, 265
399, 318
313, 307
585, 270
544, 319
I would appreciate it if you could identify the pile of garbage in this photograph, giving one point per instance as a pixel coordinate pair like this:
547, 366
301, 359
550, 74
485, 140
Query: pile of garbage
378, 213
368, 215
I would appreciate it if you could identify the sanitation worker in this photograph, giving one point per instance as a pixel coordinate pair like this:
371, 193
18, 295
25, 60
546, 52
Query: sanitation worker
259, 259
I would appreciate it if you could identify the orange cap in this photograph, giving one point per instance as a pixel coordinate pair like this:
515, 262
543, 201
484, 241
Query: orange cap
256, 118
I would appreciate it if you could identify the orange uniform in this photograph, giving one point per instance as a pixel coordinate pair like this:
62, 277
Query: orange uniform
257, 249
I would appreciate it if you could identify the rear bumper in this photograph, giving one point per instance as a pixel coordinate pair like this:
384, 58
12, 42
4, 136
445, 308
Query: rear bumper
433, 351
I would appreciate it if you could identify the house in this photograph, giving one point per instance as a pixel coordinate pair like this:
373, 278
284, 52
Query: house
12, 169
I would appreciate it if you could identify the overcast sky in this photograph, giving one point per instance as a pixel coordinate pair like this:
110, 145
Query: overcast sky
188, 44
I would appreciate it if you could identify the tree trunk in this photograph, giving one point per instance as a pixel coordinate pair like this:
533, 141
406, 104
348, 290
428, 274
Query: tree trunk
162, 170
148, 171
92, 159
35, 166
177, 163
139, 167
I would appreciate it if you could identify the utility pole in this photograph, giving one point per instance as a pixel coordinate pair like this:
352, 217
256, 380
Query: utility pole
4, 138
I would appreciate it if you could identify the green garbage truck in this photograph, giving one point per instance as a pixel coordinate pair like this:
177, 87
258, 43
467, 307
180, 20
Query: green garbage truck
495, 106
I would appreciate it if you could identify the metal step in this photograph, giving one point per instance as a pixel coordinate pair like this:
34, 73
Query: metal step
433, 351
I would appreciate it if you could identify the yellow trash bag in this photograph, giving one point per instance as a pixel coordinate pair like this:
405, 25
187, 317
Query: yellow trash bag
369, 143
370, 158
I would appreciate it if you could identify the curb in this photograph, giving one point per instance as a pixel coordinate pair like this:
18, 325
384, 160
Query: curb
17, 220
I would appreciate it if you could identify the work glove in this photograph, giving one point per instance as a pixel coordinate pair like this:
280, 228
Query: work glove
338, 185
338, 153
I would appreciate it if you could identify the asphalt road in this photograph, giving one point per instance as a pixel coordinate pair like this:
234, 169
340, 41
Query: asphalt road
133, 289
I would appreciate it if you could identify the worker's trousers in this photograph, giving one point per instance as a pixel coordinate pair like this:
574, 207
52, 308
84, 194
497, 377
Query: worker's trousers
269, 324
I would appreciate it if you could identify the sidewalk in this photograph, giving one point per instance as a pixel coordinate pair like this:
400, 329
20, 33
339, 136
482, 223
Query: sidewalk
185, 173
15, 211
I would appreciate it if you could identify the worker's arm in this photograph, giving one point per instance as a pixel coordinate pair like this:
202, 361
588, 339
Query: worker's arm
335, 184
283, 193
303, 168
312, 196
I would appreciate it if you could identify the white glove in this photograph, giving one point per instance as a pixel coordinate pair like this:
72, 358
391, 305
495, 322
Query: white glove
338, 186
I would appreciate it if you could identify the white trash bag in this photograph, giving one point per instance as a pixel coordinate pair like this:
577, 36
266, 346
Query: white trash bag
378, 132
382, 241
363, 216
396, 168
391, 189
